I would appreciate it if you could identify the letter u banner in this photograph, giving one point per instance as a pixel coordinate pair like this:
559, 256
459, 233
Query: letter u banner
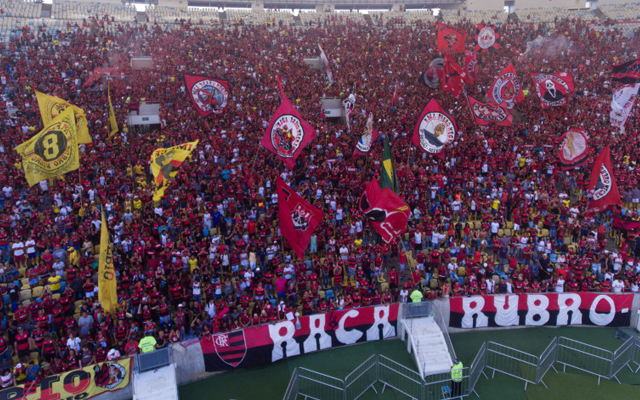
78, 384
544, 309
272, 342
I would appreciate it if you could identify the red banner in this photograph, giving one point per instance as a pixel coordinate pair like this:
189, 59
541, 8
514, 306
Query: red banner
268, 343
209, 95
507, 88
453, 76
553, 90
543, 309
574, 149
602, 184
625, 224
434, 129
486, 113
298, 218
470, 67
287, 133
487, 38
451, 39
388, 213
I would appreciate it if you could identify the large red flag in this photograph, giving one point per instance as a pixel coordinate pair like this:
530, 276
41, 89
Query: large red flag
486, 113
553, 89
298, 218
434, 129
507, 88
287, 133
603, 184
386, 211
453, 76
574, 149
451, 39
209, 95
470, 67
487, 38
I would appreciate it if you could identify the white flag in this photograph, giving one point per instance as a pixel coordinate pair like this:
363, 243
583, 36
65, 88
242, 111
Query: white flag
348, 105
622, 103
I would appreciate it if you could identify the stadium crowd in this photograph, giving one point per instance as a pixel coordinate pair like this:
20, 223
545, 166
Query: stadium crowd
497, 215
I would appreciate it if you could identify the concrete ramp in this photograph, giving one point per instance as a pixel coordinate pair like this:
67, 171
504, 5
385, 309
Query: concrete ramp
157, 384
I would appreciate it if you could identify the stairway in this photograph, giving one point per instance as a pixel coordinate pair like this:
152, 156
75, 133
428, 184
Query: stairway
429, 346
157, 384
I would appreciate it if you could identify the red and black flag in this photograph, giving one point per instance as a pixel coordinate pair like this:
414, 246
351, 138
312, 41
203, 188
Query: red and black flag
470, 67
209, 95
487, 38
287, 133
603, 184
486, 113
298, 218
453, 76
574, 149
434, 129
507, 88
553, 90
451, 39
387, 212
626, 73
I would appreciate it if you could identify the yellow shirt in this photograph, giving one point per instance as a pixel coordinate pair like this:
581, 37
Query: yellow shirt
495, 204
193, 264
54, 281
137, 204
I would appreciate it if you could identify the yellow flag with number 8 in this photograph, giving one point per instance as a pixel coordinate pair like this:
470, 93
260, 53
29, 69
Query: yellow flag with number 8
53, 151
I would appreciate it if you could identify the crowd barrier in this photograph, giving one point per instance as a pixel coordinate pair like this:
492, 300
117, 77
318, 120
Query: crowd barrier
498, 358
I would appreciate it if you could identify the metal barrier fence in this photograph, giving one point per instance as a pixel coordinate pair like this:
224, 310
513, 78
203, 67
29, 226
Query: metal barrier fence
584, 357
497, 357
547, 359
362, 378
314, 385
512, 362
154, 359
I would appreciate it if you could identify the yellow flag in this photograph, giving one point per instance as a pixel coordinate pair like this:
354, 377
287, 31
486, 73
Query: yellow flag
165, 164
53, 151
51, 107
107, 286
113, 124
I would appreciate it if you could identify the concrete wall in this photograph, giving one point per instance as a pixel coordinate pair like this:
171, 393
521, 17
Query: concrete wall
492, 5
549, 3
189, 363
174, 3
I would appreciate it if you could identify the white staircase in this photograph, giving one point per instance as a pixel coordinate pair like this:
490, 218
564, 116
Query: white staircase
429, 345
157, 384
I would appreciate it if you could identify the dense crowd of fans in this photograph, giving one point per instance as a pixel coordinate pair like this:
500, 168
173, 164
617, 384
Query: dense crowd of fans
496, 216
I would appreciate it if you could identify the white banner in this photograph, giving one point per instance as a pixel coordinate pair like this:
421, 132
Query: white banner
622, 103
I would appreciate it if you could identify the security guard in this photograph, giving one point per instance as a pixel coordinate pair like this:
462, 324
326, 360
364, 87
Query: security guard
456, 378
416, 296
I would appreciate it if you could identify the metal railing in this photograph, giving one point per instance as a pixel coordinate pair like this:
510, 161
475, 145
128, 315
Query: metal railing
315, 385
512, 362
584, 357
497, 357
547, 359
445, 332
362, 378
153, 359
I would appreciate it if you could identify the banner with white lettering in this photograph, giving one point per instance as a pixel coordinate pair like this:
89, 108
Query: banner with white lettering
550, 309
268, 343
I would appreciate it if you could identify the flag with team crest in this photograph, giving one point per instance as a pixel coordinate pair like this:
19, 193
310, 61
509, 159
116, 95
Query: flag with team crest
298, 218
